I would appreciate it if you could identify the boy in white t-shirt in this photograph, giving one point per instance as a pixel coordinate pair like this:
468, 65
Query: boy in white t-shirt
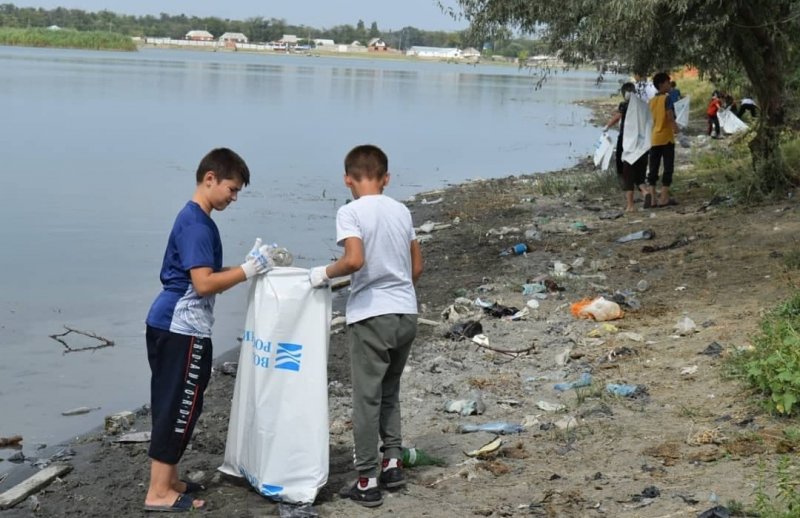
382, 254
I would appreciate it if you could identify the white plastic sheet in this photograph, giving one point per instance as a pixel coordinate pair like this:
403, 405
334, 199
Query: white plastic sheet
729, 122
603, 149
682, 112
638, 129
278, 431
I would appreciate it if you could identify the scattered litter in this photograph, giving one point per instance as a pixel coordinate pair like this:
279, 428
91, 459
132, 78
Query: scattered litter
473, 405
134, 437
626, 298
426, 227
533, 234
619, 352
584, 381
715, 512
229, 368
625, 390
685, 326
550, 407
611, 215
580, 226
566, 423
642, 285
497, 427
648, 492
714, 349
604, 329
532, 288
518, 249
487, 449
531, 421
562, 358
502, 231
431, 202
79, 411
675, 244
464, 330
499, 311
560, 269
119, 422
481, 340
599, 309
14, 440
288, 510
680, 288
635, 236
688, 371
533, 304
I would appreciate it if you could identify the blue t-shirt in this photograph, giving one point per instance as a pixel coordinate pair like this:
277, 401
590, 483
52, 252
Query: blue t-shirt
674, 96
193, 242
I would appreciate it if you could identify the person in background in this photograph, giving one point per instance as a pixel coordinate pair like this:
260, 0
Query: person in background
630, 175
747, 104
711, 114
728, 103
382, 254
662, 147
178, 332
674, 95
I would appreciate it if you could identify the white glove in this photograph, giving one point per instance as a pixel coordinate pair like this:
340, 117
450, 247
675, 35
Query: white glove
318, 277
254, 251
257, 262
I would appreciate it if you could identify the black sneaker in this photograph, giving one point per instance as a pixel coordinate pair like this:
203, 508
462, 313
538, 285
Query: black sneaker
392, 478
371, 497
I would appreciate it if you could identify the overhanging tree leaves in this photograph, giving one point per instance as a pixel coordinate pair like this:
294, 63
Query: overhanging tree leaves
654, 35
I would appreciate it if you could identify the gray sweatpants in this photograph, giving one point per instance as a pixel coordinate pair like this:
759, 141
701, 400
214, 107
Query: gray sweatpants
379, 348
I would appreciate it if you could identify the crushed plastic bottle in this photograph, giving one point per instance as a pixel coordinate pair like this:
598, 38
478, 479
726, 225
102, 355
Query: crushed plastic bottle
635, 236
518, 249
280, 256
499, 427
584, 381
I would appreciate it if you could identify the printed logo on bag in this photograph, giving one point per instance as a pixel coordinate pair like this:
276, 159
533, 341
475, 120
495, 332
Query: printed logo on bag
265, 489
288, 357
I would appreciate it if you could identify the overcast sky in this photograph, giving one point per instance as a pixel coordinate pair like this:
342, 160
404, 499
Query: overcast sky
390, 14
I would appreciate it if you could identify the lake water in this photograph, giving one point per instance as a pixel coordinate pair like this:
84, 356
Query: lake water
99, 152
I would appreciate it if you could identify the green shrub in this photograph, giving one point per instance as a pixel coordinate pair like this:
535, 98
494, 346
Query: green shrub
65, 38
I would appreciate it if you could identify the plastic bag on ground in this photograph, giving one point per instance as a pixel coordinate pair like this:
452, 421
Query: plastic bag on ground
729, 122
598, 309
603, 149
638, 127
278, 432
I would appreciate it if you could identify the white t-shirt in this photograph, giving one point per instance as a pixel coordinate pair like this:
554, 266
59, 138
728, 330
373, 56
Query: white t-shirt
383, 285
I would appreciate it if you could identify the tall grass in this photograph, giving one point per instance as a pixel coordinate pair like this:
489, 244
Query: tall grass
64, 38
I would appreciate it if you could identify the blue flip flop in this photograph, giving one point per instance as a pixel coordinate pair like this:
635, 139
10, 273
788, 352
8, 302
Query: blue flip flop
183, 504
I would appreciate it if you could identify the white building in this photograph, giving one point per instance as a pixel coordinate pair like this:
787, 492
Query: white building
233, 37
199, 36
434, 52
319, 42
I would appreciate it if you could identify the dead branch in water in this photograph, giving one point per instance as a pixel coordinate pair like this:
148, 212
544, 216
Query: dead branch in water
104, 342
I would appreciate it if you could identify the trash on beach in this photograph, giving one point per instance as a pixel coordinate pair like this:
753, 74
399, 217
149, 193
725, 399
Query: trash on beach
714, 349
598, 309
417, 457
566, 423
230, 368
425, 201
519, 315
289, 510
642, 285
635, 236
625, 390
533, 304
17, 458
502, 231
628, 299
134, 437
633, 337
497, 427
560, 269
426, 227
518, 249
603, 329
532, 288
464, 330
685, 326
580, 226
675, 244
487, 449
481, 340
688, 371
550, 407
715, 512
533, 234
14, 440
584, 381
619, 352
499, 311
612, 215
472, 405
79, 411
119, 422
103, 342
562, 358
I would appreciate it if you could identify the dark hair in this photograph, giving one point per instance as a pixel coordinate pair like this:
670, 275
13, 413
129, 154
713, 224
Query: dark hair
673, 84
225, 164
659, 79
366, 161
628, 87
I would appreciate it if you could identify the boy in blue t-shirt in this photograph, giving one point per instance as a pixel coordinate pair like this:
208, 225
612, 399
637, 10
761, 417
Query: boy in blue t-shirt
179, 324
383, 255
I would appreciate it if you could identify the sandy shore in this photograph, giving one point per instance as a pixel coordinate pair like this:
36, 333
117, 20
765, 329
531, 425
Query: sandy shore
689, 437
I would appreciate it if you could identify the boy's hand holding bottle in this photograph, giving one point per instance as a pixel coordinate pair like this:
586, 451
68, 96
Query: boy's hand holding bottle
258, 260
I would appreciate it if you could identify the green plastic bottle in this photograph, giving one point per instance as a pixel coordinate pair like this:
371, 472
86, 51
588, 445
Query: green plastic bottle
417, 457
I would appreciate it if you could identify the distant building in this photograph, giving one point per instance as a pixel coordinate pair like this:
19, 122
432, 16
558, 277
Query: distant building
319, 42
356, 43
376, 44
233, 37
434, 52
289, 39
199, 36
470, 53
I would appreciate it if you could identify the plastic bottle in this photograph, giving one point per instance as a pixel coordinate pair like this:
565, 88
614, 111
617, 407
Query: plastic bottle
642, 234
518, 249
417, 457
281, 256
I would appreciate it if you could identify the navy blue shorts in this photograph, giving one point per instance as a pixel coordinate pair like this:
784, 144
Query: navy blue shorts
180, 368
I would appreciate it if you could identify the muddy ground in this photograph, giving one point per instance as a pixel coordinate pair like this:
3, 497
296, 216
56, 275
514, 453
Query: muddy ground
690, 436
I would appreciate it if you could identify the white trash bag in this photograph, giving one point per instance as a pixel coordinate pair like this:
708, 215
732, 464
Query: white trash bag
278, 430
638, 128
729, 122
682, 112
603, 149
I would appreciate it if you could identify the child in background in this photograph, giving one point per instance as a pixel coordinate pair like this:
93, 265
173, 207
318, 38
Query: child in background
383, 255
630, 175
662, 142
711, 113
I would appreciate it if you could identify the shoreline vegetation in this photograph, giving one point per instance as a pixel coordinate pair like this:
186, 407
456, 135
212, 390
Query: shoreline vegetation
65, 38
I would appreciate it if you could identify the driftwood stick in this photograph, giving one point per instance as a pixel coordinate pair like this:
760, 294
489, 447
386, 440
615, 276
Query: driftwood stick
105, 342
507, 351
